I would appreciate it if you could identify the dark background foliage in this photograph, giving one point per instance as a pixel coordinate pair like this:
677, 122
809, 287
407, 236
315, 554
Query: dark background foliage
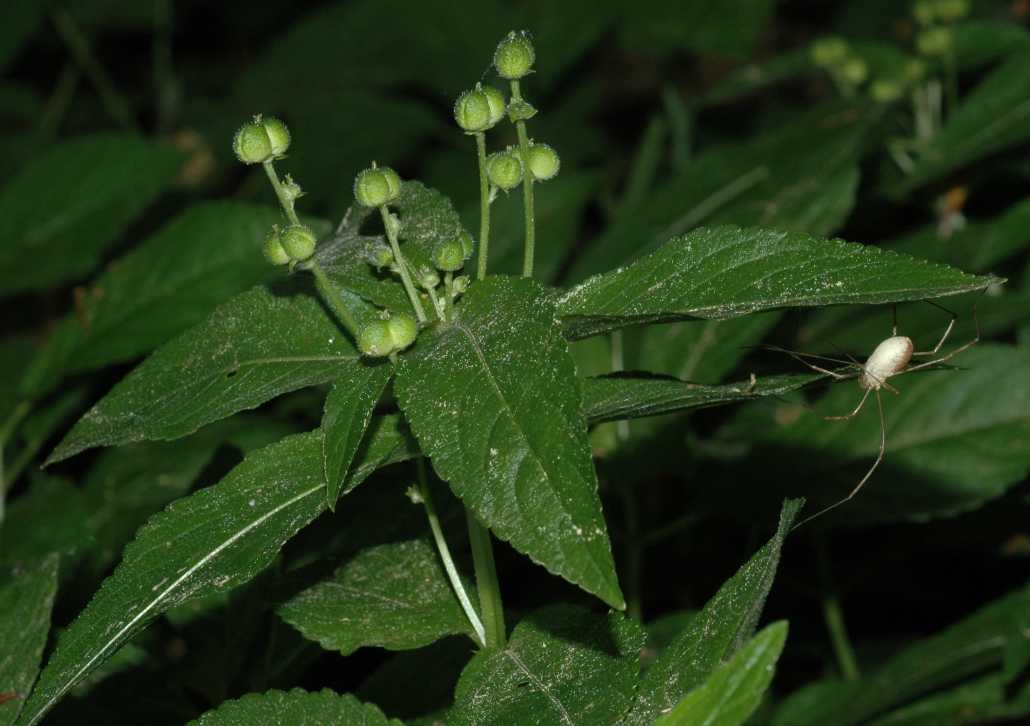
633, 95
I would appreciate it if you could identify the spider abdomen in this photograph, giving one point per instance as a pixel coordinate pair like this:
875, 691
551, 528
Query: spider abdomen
890, 358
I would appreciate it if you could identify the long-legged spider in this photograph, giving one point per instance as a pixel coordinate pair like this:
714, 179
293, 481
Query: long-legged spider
890, 358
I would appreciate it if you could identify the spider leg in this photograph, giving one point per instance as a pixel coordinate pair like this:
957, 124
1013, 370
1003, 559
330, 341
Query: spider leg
798, 357
879, 458
853, 413
952, 354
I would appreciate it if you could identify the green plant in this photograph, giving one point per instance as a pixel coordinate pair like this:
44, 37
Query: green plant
343, 439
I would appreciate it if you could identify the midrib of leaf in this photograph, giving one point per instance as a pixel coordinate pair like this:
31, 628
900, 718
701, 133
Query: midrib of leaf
155, 602
506, 406
541, 686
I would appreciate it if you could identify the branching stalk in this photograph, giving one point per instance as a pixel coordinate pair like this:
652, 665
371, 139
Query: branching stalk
402, 265
527, 188
484, 207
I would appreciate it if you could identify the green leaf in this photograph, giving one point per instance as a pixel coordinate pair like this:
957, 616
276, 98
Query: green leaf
724, 272
348, 409
993, 117
627, 395
49, 518
938, 429
799, 177
65, 208
170, 282
714, 634
979, 42
562, 664
724, 27
393, 596
494, 401
980, 701
757, 76
732, 693
967, 648
26, 598
209, 542
696, 350
295, 708
251, 349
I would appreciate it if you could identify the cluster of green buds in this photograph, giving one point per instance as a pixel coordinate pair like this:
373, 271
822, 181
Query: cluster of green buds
834, 55
388, 334
261, 140
935, 38
290, 244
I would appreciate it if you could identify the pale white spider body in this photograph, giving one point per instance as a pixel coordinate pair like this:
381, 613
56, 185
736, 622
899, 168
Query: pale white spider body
889, 358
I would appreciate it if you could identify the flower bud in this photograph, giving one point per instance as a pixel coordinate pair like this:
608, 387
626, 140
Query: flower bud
375, 339
514, 56
885, 90
379, 256
273, 248
504, 169
466, 244
854, 71
950, 11
428, 278
460, 284
449, 256
829, 52
543, 162
376, 186
403, 330
934, 41
278, 135
298, 241
472, 111
251, 143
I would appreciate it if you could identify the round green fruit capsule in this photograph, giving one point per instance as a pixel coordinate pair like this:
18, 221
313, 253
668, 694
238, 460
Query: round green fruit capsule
449, 256
251, 143
504, 169
472, 111
273, 248
950, 11
496, 101
543, 162
298, 241
514, 56
278, 135
885, 90
376, 186
854, 71
403, 330
934, 41
828, 52
375, 339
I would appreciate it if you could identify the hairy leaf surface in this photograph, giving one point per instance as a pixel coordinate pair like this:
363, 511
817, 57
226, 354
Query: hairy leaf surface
562, 665
724, 272
295, 708
494, 401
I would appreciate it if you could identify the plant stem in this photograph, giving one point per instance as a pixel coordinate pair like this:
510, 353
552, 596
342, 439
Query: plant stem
527, 188
448, 303
486, 582
484, 207
285, 200
80, 50
402, 265
10, 425
445, 553
834, 617
332, 299
60, 100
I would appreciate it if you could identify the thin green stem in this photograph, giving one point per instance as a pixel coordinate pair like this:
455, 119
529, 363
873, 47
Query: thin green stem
438, 304
527, 188
486, 582
60, 100
165, 95
445, 554
285, 200
833, 615
402, 265
8, 477
448, 287
331, 297
78, 46
484, 207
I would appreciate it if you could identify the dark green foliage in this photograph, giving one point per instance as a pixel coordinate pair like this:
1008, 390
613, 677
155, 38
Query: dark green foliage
548, 494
